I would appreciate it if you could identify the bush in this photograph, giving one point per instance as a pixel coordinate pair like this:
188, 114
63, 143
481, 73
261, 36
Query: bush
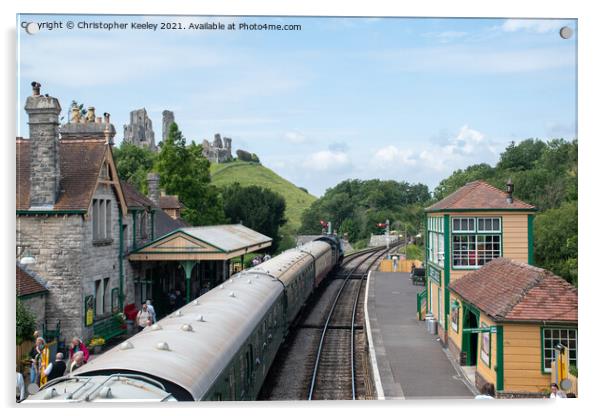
26, 323
413, 252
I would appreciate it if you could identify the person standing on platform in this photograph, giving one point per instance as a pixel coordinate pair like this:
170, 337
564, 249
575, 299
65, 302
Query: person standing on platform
556, 393
151, 310
78, 345
57, 368
78, 361
143, 319
34, 355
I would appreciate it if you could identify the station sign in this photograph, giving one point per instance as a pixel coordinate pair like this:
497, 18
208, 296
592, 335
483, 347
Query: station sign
490, 329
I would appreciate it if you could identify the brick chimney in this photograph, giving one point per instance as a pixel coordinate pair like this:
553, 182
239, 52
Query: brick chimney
43, 112
153, 187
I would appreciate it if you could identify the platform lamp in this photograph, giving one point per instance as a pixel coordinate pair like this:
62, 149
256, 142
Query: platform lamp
25, 256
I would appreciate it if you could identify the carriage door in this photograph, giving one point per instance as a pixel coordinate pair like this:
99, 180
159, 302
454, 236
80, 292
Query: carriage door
249, 371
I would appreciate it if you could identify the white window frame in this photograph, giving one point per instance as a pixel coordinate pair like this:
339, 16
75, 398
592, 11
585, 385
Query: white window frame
441, 250
469, 221
549, 347
477, 239
491, 219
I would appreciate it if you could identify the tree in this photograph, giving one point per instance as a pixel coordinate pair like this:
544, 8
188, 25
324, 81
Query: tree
133, 164
185, 172
355, 207
257, 208
246, 156
555, 245
26, 323
522, 156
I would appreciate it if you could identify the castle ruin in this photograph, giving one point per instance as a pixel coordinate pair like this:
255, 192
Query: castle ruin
219, 151
140, 130
168, 118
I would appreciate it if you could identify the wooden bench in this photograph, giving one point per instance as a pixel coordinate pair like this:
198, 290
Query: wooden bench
108, 328
418, 276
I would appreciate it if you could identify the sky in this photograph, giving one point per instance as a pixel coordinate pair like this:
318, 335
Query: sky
410, 99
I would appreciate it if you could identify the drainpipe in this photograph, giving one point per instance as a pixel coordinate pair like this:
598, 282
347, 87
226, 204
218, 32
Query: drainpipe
134, 215
121, 296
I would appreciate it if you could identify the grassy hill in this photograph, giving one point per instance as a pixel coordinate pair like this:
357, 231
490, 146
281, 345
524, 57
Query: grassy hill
248, 173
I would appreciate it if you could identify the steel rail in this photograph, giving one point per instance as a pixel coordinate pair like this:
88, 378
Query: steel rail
332, 308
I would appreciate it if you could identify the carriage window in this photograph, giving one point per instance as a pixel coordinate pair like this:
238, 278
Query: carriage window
232, 381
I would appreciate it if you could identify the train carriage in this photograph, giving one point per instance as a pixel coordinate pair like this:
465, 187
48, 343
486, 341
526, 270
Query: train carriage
218, 347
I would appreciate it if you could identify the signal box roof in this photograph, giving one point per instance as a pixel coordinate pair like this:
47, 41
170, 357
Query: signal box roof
479, 196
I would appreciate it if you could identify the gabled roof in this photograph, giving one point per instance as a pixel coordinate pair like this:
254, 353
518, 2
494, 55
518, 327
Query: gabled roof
478, 195
165, 224
135, 199
28, 283
80, 165
509, 290
170, 202
212, 242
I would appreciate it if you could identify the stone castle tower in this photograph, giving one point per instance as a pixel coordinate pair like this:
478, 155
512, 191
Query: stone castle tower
168, 118
219, 151
140, 130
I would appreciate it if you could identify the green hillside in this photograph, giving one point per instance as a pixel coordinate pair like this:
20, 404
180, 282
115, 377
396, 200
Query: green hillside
248, 173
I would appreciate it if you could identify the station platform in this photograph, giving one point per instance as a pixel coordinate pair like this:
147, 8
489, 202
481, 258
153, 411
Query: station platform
407, 362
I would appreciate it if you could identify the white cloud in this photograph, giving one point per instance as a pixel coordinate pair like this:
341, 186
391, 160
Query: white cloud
469, 146
327, 161
391, 156
295, 137
533, 25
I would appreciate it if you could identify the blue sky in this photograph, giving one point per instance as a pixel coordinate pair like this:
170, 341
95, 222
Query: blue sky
392, 98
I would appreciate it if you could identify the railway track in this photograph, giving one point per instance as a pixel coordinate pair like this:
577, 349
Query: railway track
331, 319
334, 376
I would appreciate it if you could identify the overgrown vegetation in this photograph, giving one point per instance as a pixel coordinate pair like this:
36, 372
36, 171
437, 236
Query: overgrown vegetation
26, 323
414, 252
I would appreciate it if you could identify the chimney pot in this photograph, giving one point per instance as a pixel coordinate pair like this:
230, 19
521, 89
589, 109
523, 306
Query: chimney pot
36, 88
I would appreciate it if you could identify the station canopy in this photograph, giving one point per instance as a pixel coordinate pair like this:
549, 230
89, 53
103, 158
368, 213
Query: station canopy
213, 242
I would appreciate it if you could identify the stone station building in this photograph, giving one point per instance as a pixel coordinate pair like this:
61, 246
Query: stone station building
79, 226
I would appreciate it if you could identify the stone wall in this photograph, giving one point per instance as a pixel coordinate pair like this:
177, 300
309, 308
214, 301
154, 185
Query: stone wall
101, 260
132, 270
56, 244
